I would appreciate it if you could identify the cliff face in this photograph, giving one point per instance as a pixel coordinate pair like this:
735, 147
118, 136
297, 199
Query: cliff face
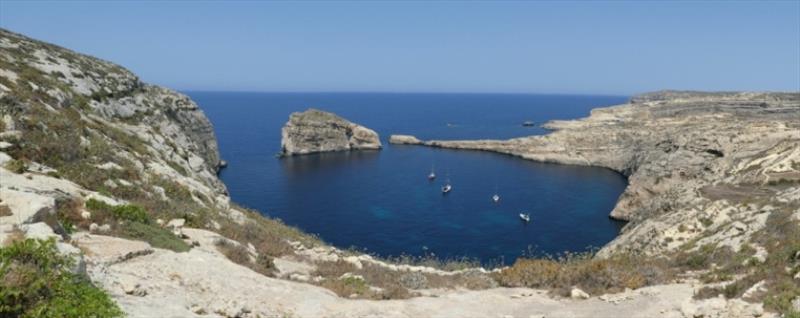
43, 80
697, 163
314, 131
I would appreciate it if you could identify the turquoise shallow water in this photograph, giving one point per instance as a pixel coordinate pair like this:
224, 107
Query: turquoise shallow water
381, 201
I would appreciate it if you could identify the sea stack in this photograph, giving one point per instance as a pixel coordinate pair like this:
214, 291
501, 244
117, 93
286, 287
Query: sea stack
314, 131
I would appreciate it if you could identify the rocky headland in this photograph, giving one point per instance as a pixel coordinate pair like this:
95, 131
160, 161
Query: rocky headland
121, 177
314, 131
707, 166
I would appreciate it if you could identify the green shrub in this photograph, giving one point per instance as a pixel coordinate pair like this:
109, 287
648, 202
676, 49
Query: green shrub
156, 236
130, 212
348, 286
16, 166
693, 261
36, 282
133, 222
124, 212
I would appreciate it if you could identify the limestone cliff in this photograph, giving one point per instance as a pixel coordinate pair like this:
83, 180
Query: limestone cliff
314, 131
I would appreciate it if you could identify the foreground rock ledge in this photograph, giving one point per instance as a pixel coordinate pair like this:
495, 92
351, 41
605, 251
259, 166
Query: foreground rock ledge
314, 131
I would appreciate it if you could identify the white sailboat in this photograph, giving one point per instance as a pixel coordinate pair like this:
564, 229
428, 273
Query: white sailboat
446, 188
496, 198
432, 175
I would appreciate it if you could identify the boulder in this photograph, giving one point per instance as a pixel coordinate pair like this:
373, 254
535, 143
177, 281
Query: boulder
577, 293
176, 226
39, 231
314, 131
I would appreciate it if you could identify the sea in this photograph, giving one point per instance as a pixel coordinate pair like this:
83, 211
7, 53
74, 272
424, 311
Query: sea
382, 203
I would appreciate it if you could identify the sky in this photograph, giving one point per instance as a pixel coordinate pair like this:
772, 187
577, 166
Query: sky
580, 47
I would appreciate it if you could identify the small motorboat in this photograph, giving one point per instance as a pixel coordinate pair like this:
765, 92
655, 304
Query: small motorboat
525, 217
528, 123
446, 188
496, 198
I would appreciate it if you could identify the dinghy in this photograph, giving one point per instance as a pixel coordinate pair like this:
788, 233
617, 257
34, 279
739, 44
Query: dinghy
525, 217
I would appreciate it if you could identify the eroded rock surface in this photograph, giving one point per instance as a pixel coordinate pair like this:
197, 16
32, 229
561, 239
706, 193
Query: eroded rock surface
314, 131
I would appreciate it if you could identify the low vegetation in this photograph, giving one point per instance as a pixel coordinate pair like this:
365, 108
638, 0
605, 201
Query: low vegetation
36, 282
741, 271
5, 210
593, 275
16, 166
129, 221
241, 255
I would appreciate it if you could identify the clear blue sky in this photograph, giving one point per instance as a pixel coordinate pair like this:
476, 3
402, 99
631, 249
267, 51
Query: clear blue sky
450, 46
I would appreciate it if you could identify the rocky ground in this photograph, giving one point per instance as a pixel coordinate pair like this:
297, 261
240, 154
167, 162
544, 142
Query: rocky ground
314, 131
93, 158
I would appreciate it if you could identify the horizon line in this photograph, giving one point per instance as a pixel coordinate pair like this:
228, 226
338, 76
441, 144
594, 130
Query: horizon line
473, 93
398, 92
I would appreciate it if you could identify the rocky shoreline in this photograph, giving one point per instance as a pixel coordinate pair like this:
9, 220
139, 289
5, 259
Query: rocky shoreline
683, 154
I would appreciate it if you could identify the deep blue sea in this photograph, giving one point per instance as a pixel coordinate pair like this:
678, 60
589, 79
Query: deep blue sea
381, 201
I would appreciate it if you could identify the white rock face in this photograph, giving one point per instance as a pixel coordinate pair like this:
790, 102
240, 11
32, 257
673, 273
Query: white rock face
404, 140
314, 131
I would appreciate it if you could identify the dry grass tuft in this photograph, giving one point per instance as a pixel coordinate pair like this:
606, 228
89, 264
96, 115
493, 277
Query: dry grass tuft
593, 275
16, 235
5, 210
239, 254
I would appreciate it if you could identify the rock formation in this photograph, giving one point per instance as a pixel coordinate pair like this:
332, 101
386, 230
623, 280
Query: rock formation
314, 131
404, 140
